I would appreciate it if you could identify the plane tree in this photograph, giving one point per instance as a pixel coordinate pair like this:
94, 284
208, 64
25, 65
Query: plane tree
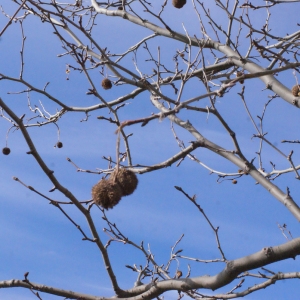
221, 74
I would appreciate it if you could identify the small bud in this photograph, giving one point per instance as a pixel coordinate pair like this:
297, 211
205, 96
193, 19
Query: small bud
52, 190
239, 74
26, 275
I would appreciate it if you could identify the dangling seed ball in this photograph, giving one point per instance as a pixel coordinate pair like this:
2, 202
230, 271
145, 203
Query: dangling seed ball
234, 181
106, 193
106, 84
59, 144
296, 90
5, 150
178, 3
126, 179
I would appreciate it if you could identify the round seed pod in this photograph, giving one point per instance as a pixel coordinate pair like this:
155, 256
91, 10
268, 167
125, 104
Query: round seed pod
106, 193
178, 3
106, 84
126, 179
5, 150
234, 181
296, 90
59, 144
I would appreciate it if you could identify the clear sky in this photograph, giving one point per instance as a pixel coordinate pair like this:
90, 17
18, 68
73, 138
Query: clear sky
37, 237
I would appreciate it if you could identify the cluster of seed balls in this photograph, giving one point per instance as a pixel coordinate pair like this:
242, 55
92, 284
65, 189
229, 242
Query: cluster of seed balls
108, 192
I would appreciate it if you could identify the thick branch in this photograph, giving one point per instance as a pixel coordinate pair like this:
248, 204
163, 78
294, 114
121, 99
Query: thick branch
233, 268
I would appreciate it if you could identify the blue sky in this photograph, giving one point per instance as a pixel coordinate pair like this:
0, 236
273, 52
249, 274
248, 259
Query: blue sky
36, 237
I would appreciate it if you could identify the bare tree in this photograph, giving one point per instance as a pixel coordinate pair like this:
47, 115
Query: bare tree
203, 68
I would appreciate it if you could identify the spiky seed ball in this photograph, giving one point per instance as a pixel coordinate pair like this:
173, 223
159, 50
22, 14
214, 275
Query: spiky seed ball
59, 144
106, 193
296, 90
126, 179
106, 84
178, 3
5, 150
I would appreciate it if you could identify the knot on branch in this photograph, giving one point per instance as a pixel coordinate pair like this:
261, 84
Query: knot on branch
230, 266
186, 285
295, 102
268, 251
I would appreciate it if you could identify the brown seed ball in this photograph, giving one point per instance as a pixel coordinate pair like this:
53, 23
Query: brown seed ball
5, 150
234, 181
106, 84
178, 3
106, 193
296, 90
59, 145
126, 179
